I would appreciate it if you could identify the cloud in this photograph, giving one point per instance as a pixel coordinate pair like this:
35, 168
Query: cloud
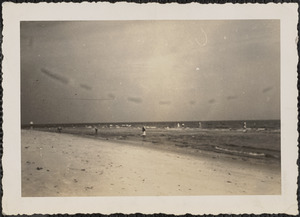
164, 102
231, 97
267, 89
135, 99
88, 99
85, 86
55, 76
212, 101
111, 96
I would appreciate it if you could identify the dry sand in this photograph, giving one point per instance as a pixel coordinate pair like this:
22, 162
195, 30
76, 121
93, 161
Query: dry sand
56, 164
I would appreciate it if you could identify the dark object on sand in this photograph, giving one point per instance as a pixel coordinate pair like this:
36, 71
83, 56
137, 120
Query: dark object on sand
59, 129
96, 130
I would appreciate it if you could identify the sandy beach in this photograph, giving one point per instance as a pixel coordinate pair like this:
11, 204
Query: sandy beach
58, 164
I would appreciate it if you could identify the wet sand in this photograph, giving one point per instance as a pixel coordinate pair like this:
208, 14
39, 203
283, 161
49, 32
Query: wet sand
58, 164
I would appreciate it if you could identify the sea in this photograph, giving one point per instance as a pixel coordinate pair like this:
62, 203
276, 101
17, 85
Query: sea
232, 125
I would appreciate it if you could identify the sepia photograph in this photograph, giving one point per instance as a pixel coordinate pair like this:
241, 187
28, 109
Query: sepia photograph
150, 108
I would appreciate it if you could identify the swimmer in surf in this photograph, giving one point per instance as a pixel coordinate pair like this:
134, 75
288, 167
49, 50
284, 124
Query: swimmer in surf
144, 131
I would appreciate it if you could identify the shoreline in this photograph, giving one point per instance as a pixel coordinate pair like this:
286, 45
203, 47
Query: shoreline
116, 168
155, 141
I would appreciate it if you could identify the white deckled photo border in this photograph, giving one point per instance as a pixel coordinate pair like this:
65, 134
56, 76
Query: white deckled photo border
14, 203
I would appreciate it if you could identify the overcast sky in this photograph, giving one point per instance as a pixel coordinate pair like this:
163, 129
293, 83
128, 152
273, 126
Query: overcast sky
132, 71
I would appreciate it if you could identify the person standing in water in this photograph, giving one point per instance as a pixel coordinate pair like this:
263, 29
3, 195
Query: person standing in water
245, 127
144, 131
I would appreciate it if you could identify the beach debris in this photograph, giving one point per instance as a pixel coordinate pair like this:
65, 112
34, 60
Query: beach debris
96, 130
82, 169
88, 188
39, 168
59, 129
27, 147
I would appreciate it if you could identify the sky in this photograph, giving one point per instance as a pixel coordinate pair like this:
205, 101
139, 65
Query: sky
140, 71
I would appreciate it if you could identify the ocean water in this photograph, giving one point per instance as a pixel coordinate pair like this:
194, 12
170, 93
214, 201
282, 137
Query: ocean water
232, 125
